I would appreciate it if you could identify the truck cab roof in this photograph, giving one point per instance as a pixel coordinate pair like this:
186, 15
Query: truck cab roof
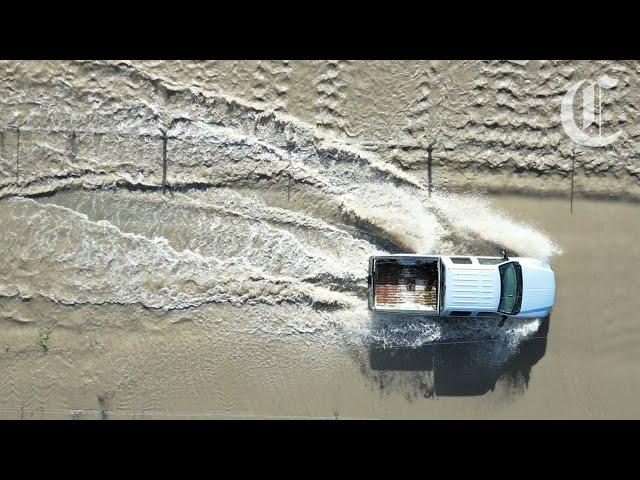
471, 286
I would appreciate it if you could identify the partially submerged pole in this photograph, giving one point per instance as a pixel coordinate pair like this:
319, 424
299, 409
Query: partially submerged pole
72, 145
573, 167
289, 181
18, 156
429, 163
164, 161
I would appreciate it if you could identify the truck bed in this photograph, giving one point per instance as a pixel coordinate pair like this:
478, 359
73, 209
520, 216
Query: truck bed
405, 283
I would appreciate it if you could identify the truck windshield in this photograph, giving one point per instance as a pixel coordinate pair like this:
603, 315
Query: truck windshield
510, 288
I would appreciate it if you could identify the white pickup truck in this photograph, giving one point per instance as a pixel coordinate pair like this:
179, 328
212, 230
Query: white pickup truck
461, 285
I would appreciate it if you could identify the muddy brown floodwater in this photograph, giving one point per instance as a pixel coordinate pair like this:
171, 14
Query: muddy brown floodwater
199, 357
219, 269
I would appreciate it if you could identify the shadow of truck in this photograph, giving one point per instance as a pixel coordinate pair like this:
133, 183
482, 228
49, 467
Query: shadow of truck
463, 366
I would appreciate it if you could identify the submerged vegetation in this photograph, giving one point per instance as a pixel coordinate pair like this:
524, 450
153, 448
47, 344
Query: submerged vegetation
45, 334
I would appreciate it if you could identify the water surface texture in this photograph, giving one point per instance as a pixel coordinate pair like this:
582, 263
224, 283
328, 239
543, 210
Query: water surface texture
239, 288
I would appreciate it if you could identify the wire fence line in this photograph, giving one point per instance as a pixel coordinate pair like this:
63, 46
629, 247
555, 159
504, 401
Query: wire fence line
23, 152
25, 155
73, 137
31, 154
68, 131
58, 151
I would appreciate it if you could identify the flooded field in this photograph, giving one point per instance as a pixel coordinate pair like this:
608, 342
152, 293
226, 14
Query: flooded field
191, 240
129, 304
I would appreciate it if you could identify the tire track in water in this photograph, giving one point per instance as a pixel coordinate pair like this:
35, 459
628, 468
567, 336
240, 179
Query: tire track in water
271, 83
419, 112
331, 94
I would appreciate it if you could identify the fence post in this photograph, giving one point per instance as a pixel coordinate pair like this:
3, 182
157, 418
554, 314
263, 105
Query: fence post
164, 161
429, 165
573, 168
72, 142
18, 157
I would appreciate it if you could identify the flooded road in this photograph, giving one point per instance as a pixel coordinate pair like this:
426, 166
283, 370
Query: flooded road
215, 304
191, 240
592, 365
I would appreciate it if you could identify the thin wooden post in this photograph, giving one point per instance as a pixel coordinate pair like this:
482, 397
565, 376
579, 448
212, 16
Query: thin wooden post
164, 161
18, 157
72, 145
573, 167
429, 166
